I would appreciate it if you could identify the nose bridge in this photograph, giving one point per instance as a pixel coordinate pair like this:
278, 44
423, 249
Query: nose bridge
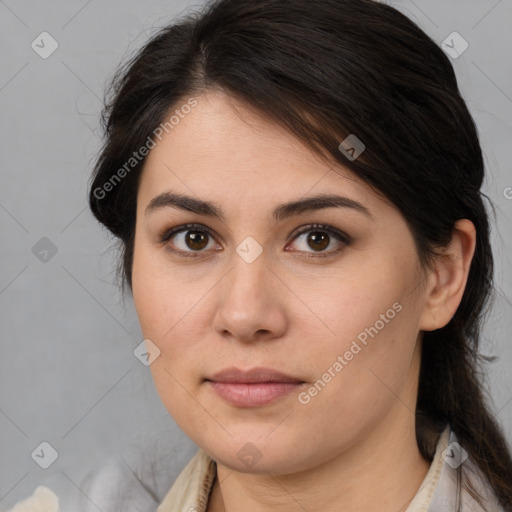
249, 276
247, 302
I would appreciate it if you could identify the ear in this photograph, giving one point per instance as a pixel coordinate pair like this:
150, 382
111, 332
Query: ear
447, 280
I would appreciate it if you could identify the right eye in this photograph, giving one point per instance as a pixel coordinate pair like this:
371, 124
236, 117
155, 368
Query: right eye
189, 239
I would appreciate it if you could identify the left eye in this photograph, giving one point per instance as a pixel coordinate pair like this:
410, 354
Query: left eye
319, 237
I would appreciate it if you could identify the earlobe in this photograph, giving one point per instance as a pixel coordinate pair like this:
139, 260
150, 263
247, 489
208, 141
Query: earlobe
448, 278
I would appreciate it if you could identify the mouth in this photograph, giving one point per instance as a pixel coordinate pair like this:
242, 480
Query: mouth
252, 388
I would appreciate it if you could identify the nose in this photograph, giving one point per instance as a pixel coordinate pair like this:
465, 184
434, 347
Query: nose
250, 302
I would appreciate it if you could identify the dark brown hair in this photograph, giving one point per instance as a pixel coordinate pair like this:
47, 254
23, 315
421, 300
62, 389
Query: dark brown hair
324, 70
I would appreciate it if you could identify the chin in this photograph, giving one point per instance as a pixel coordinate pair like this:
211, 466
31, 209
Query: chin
257, 455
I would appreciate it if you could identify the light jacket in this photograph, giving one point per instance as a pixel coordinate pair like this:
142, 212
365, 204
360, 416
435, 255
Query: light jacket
191, 489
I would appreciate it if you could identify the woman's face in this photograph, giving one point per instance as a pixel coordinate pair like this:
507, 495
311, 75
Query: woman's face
251, 285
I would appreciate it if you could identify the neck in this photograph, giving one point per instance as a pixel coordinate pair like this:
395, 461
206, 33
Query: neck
383, 473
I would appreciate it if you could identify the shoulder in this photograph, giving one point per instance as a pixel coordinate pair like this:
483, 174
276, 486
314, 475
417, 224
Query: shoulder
137, 481
478, 483
445, 496
112, 486
191, 489
43, 500
116, 486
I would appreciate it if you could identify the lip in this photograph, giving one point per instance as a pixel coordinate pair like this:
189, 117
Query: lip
252, 376
254, 387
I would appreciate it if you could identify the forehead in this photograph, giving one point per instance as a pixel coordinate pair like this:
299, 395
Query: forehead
226, 150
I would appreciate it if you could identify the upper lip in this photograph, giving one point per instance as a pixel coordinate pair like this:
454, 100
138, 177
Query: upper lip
254, 375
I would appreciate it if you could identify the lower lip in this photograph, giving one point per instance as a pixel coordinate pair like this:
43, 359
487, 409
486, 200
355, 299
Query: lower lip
253, 394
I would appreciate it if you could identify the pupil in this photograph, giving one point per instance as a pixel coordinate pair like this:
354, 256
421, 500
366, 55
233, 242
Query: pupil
195, 240
319, 238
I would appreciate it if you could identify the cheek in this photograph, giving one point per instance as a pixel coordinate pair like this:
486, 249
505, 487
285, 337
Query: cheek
170, 309
372, 322
160, 293
348, 302
358, 383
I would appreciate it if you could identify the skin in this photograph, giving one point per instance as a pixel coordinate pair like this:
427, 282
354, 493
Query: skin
354, 442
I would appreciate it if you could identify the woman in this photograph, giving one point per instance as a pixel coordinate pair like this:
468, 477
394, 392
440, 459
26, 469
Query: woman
296, 189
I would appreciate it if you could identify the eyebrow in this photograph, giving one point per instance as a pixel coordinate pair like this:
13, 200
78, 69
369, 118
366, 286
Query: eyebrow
281, 212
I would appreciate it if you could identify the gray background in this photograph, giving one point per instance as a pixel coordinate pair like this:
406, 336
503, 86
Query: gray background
68, 374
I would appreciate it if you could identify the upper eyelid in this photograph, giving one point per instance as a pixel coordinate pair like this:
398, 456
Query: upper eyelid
320, 227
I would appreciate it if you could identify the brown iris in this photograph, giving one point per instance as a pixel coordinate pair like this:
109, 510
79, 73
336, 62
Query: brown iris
196, 240
318, 240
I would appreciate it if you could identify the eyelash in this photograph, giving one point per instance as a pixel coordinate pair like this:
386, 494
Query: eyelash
340, 235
